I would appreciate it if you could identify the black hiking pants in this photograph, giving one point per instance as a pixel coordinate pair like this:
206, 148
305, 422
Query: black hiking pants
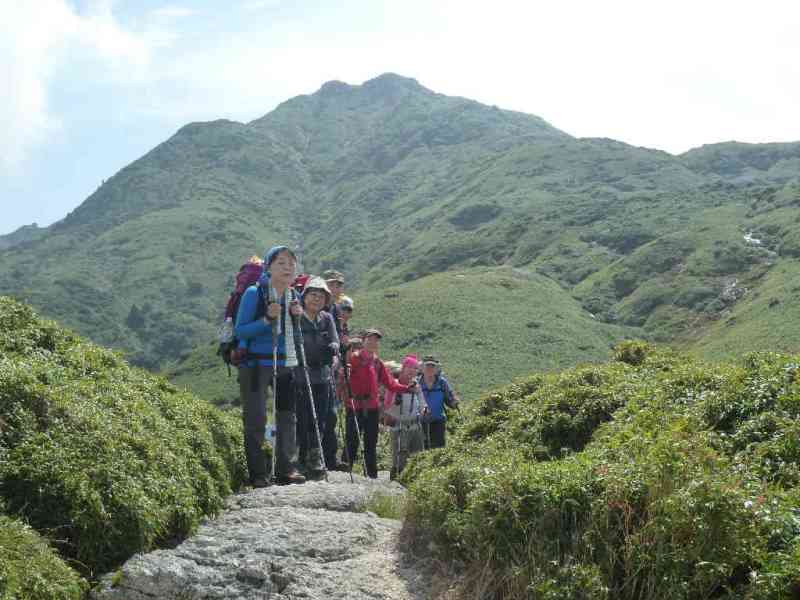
368, 426
435, 434
306, 430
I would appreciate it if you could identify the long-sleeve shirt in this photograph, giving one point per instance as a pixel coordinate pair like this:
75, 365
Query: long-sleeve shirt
408, 410
321, 343
380, 374
255, 334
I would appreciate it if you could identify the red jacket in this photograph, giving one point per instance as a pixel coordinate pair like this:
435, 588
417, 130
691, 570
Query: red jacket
365, 375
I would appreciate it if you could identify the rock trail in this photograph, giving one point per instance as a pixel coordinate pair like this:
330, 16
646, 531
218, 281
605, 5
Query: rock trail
310, 541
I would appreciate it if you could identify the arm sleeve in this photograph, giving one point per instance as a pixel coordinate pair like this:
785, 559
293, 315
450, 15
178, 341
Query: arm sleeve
390, 382
247, 326
449, 394
334, 336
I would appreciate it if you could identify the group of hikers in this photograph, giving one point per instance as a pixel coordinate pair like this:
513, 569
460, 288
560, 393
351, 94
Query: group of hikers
292, 333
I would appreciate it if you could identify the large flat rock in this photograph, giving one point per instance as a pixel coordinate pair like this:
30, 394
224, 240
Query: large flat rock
302, 541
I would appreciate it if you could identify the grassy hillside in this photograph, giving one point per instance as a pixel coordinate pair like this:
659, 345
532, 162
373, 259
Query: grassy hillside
655, 476
26, 233
390, 182
487, 325
101, 459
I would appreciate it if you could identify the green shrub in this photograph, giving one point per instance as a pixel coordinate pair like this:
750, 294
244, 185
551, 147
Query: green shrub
656, 476
105, 458
31, 570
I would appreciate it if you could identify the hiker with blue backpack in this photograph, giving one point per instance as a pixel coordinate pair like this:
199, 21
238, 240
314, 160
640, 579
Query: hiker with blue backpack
321, 345
267, 356
438, 394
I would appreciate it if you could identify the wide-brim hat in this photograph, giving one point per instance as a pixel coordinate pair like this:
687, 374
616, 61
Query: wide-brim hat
318, 283
369, 332
430, 360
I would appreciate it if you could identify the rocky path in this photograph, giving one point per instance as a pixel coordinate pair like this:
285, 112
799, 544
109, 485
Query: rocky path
308, 541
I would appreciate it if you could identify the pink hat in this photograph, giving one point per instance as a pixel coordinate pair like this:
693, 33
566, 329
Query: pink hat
411, 360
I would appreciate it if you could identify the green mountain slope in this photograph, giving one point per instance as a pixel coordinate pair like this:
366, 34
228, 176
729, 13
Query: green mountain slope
487, 325
391, 182
26, 233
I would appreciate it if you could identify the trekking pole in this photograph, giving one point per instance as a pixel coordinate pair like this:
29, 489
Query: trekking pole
276, 331
426, 418
296, 322
343, 428
343, 434
355, 420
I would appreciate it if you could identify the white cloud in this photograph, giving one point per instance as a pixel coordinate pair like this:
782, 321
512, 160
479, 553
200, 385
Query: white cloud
260, 4
172, 12
669, 75
36, 41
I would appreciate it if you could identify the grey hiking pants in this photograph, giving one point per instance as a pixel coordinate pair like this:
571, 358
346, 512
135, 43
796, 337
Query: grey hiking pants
406, 440
253, 384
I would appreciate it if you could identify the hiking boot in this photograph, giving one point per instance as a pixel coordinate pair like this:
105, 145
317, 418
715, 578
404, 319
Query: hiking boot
260, 482
289, 478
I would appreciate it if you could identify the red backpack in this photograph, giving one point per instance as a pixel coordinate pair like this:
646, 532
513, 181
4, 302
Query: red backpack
300, 282
248, 275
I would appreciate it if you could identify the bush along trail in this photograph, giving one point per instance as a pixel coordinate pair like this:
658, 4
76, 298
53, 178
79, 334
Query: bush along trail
98, 460
655, 476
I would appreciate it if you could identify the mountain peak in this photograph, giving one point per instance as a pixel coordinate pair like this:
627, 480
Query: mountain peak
387, 84
393, 80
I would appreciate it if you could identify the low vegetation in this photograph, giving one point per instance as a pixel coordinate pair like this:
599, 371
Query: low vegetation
101, 459
654, 476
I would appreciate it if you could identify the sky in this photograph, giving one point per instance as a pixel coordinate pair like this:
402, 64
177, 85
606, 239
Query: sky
93, 85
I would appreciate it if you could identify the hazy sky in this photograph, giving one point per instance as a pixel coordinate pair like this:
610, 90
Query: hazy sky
91, 86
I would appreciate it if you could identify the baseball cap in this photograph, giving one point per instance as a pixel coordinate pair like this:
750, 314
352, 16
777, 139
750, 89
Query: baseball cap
333, 275
346, 303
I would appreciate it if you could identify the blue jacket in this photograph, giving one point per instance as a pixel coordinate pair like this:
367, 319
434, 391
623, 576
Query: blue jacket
256, 336
439, 395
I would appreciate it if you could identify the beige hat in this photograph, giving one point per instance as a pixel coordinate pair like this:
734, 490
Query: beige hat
318, 283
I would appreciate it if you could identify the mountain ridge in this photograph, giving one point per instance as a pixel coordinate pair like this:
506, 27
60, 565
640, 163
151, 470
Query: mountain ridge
392, 182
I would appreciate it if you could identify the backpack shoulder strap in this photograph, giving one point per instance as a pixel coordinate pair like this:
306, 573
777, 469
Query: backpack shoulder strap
261, 307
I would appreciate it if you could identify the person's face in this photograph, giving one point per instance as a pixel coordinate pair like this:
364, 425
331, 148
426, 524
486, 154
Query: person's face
372, 343
336, 287
283, 267
315, 300
429, 371
407, 373
346, 314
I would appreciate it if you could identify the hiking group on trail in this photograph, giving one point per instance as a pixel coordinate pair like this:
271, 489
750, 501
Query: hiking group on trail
292, 334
